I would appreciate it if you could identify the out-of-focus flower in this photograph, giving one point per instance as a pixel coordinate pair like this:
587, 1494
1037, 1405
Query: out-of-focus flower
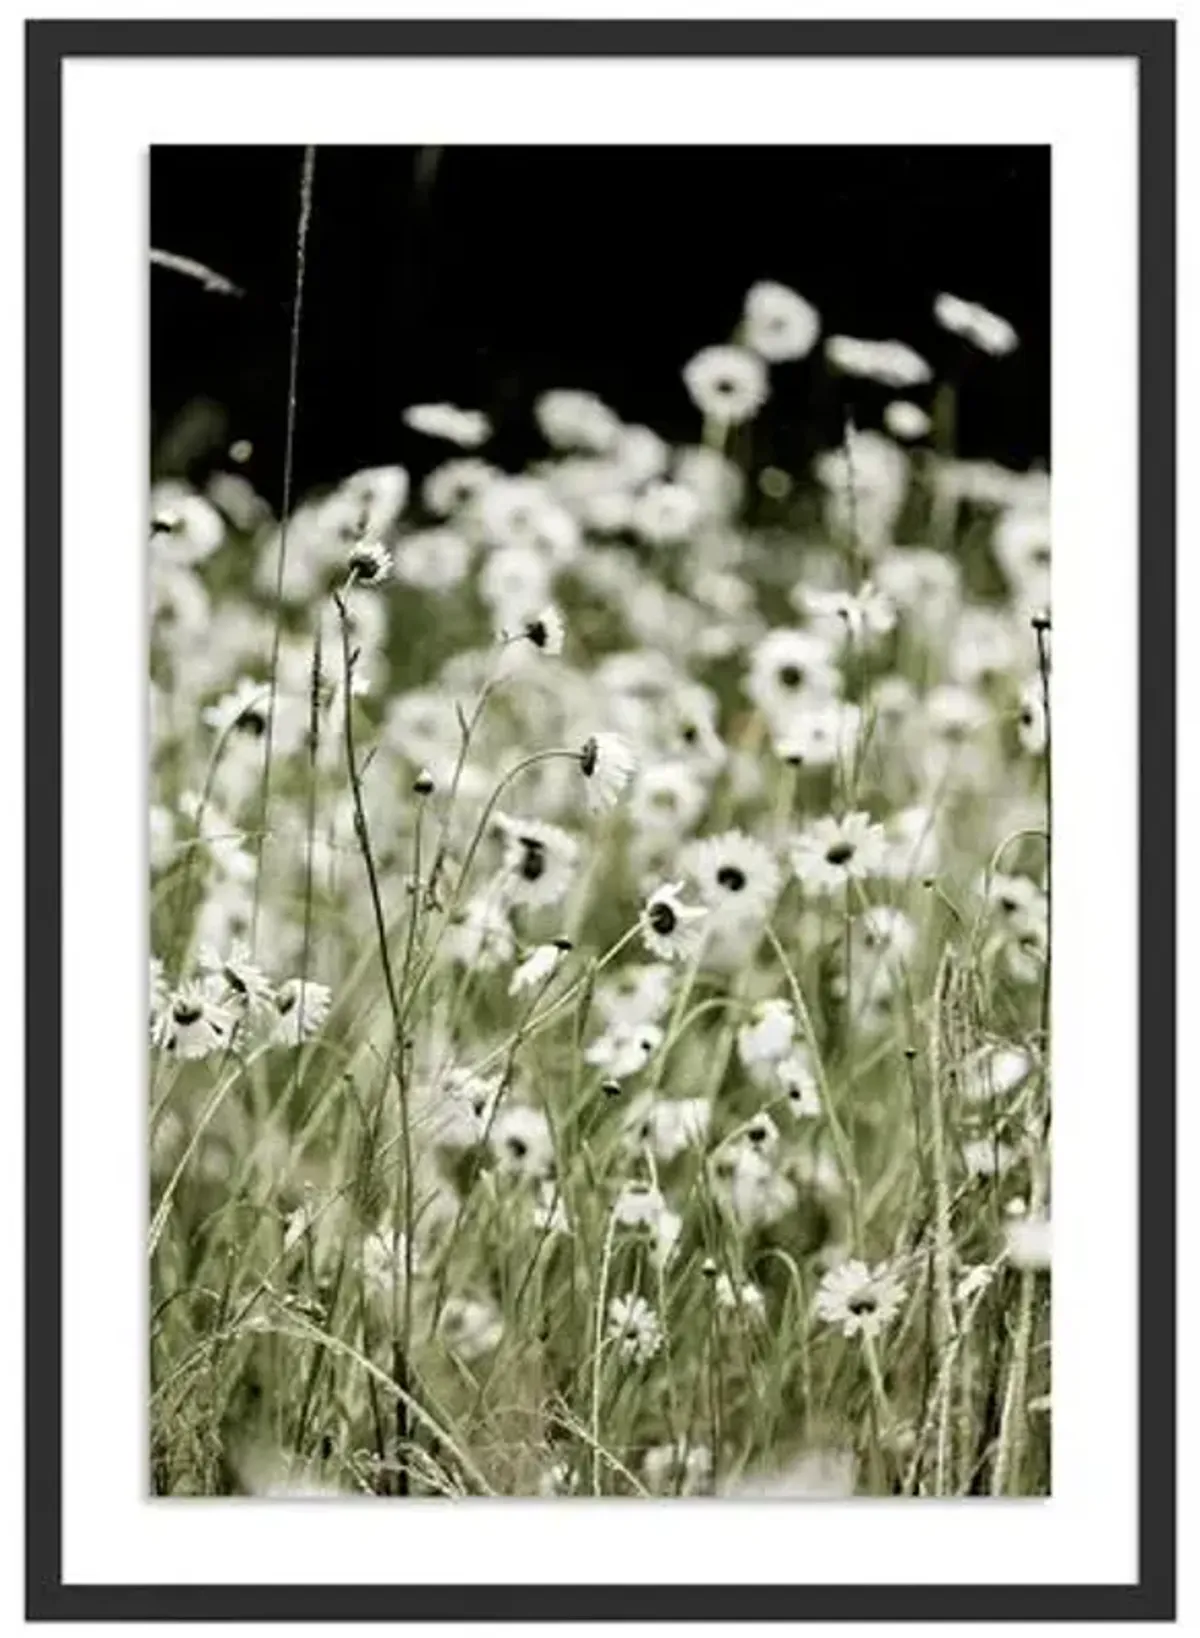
906, 420
778, 324
891, 363
860, 1301
728, 385
987, 331
464, 427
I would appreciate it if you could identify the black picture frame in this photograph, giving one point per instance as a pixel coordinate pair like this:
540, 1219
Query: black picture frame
1152, 44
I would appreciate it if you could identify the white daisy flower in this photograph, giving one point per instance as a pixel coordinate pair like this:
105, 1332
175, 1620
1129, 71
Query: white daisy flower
890, 362
766, 1039
247, 985
1031, 718
817, 733
369, 562
750, 1187
906, 420
789, 666
577, 420
746, 1298
667, 799
545, 630
1027, 1243
987, 331
245, 709
860, 1300
481, 935
671, 929
433, 560
456, 485
728, 385
185, 529
735, 875
883, 936
522, 512
624, 1048
762, 1134
669, 1127
665, 513
539, 863
994, 1072
830, 852
521, 1143
539, 966
470, 1327
778, 324
608, 764
458, 1109
636, 995
195, 1021
466, 428
859, 617
301, 1008
798, 1082
634, 1326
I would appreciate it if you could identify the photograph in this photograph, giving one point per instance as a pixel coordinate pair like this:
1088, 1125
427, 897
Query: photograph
599, 779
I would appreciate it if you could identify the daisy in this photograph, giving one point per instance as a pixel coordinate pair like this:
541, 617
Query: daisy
637, 995
466, 428
667, 799
624, 1048
766, 1039
987, 331
470, 1327
244, 709
522, 512
994, 1072
1031, 718
860, 1300
906, 420
433, 560
671, 929
750, 1187
577, 420
301, 1007
369, 562
799, 1084
459, 1108
883, 936
728, 385
831, 852
787, 667
607, 763
890, 362
539, 966
195, 1022
481, 935
248, 986
456, 485
818, 733
521, 1143
185, 529
778, 324
539, 862
746, 1299
638, 1206
634, 1327
860, 616
665, 513
672, 1126
1027, 1243
762, 1134
735, 875
545, 630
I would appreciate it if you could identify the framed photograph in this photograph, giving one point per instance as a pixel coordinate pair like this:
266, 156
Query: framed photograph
601, 636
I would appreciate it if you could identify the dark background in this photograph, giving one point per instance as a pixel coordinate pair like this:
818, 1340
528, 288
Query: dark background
485, 275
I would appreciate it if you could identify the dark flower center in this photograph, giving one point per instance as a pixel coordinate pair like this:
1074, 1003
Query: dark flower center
757, 1134
186, 1012
662, 918
286, 1002
840, 853
731, 877
537, 633
235, 981
518, 1148
533, 861
588, 757
253, 722
863, 1304
791, 676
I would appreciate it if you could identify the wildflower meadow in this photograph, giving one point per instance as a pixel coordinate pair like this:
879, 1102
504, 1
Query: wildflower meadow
600, 962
